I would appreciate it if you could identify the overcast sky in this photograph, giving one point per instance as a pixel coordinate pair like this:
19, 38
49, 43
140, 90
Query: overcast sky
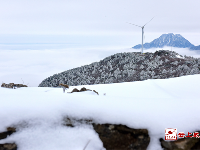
91, 31
105, 20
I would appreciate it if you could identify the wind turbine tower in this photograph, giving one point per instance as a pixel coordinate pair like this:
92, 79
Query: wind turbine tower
142, 32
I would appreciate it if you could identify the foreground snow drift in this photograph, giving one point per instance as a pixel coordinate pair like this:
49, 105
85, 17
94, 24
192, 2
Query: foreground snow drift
151, 104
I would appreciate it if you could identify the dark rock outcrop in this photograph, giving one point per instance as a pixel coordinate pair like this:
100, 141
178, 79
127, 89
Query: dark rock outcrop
9, 131
12, 85
116, 137
82, 90
8, 146
121, 137
74, 90
127, 67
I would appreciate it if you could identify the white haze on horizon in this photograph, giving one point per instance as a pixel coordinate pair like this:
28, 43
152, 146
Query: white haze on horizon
32, 66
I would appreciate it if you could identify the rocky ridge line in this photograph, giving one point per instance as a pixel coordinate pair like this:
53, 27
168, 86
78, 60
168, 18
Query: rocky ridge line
127, 67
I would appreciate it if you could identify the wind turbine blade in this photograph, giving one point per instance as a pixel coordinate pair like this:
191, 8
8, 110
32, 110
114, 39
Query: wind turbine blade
134, 24
148, 22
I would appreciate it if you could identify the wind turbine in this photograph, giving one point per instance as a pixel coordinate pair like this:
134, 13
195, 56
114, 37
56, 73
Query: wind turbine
142, 31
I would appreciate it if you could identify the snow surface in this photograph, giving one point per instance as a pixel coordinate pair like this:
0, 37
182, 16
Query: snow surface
179, 56
153, 104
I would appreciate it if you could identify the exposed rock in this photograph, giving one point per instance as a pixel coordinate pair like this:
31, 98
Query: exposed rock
74, 90
8, 146
12, 85
20, 85
196, 146
116, 137
82, 90
9, 131
71, 122
3, 135
121, 137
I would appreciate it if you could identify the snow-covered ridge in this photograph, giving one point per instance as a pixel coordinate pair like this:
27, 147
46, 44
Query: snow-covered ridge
126, 67
170, 39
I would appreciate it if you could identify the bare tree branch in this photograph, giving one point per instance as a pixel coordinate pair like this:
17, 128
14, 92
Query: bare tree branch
86, 144
22, 81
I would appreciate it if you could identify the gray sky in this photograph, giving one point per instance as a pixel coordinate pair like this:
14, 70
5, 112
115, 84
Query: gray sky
105, 20
91, 31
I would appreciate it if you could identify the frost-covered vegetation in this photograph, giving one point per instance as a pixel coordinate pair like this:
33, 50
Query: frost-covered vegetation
126, 67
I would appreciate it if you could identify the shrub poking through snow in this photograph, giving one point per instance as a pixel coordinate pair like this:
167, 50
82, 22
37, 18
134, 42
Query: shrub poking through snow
127, 67
8, 146
82, 90
96, 92
86, 145
75, 90
64, 86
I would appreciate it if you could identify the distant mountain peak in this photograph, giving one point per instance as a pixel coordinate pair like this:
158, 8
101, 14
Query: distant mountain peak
170, 39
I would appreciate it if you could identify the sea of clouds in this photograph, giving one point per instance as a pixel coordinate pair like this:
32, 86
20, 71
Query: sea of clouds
32, 63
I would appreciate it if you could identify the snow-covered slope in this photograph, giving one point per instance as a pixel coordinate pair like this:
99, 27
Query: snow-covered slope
151, 104
167, 40
127, 67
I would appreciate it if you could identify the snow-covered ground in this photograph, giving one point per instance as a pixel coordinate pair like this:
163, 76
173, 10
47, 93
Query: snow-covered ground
151, 104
